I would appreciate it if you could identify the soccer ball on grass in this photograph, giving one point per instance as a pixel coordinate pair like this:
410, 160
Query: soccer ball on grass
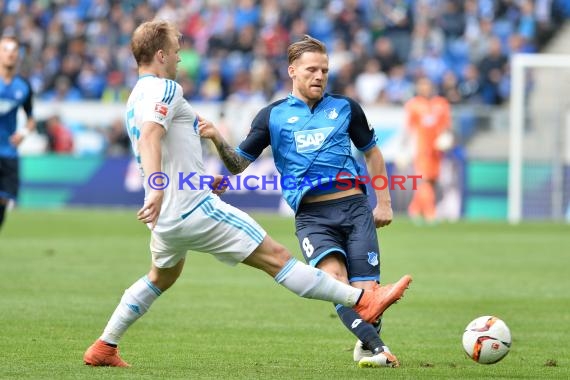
487, 339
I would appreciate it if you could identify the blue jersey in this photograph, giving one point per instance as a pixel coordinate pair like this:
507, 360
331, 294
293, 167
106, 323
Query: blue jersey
311, 147
13, 95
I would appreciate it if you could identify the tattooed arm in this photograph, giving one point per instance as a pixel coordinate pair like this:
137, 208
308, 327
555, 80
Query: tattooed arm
234, 162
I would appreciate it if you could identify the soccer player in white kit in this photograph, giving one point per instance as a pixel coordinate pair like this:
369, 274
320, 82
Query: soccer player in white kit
163, 129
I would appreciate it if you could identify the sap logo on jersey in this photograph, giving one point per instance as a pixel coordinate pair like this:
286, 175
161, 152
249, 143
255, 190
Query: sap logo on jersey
309, 141
7, 105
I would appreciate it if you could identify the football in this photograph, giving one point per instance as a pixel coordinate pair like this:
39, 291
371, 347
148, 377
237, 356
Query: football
487, 339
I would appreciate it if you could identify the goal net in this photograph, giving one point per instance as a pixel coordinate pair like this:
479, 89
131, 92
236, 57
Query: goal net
539, 147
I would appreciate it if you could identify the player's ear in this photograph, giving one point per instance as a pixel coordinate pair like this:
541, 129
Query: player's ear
160, 55
291, 71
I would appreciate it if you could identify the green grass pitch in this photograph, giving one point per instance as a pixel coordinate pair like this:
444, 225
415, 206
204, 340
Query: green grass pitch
62, 273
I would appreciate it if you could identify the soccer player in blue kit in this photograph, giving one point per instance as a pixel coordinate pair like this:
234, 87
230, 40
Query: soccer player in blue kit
310, 133
15, 92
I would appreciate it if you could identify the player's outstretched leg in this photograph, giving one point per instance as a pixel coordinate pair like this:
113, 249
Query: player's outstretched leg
374, 303
309, 282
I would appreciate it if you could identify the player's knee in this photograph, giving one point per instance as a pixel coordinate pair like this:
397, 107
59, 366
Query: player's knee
281, 253
270, 257
275, 251
164, 278
338, 275
335, 267
163, 281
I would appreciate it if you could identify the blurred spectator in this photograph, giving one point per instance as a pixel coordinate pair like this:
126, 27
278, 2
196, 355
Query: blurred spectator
452, 19
370, 83
344, 78
527, 22
516, 44
246, 14
188, 87
398, 88
492, 70
115, 91
339, 56
384, 53
63, 90
263, 79
213, 87
189, 60
471, 14
118, 142
479, 43
91, 83
470, 85
241, 90
60, 139
425, 38
433, 65
397, 18
450, 88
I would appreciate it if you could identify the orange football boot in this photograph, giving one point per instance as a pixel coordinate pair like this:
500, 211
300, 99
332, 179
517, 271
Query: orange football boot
101, 354
376, 300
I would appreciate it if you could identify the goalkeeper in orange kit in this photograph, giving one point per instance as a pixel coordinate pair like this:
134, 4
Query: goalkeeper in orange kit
428, 119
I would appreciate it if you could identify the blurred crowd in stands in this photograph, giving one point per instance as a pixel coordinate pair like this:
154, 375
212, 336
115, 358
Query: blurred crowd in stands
236, 50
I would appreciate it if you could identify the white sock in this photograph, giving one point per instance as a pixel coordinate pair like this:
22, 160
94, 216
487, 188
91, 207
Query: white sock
309, 282
135, 302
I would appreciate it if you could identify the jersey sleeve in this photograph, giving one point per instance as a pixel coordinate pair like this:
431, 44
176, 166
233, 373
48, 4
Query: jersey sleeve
258, 137
360, 131
159, 104
28, 104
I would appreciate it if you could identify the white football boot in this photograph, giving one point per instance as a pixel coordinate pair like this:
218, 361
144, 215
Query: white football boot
382, 359
360, 352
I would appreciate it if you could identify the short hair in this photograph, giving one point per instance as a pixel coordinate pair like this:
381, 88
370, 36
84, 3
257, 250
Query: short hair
307, 44
10, 37
150, 37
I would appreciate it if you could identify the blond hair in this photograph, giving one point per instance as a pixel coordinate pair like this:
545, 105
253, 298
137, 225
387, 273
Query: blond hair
307, 44
150, 37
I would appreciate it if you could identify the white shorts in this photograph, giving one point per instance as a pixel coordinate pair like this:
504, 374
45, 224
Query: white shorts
214, 227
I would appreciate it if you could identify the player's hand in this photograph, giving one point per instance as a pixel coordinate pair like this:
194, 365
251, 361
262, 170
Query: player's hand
218, 187
207, 129
150, 212
16, 139
383, 214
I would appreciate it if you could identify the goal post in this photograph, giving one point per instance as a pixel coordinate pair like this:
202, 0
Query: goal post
519, 64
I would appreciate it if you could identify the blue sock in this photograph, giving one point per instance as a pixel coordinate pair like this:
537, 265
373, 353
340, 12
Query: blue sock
363, 330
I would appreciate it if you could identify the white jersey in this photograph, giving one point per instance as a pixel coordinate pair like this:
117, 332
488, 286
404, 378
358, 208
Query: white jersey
160, 100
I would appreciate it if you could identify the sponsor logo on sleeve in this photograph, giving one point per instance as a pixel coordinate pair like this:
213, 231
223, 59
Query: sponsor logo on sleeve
160, 111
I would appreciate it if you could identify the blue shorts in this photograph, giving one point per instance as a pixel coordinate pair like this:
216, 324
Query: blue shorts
9, 178
344, 226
